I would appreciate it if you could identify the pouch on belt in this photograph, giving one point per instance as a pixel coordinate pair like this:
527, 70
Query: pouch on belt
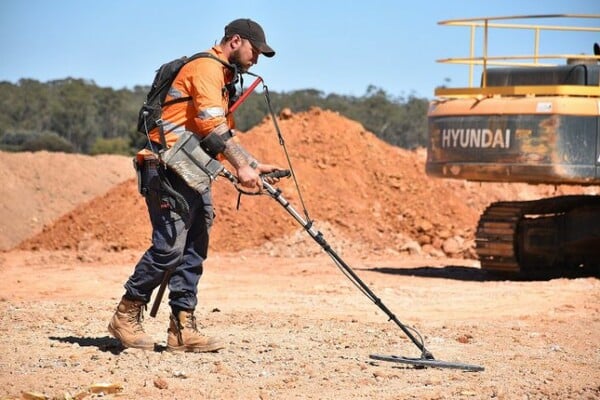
191, 162
146, 164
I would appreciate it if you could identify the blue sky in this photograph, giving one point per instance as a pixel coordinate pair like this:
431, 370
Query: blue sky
336, 46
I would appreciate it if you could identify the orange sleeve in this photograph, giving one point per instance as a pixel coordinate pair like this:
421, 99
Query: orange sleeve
205, 79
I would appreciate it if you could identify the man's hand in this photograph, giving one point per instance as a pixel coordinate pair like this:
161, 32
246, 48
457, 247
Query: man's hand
249, 177
265, 169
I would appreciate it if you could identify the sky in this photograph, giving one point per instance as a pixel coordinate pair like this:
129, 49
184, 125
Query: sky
335, 46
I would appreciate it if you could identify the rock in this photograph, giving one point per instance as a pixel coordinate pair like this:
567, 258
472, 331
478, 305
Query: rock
464, 339
161, 383
286, 113
451, 246
424, 226
424, 239
263, 395
411, 247
444, 234
432, 251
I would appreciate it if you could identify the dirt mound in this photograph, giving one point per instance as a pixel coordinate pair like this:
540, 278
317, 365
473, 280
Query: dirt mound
367, 193
37, 188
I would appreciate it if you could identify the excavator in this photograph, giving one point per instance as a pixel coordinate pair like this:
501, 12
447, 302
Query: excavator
532, 118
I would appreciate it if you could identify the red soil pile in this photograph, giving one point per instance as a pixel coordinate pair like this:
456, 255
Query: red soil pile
367, 194
39, 187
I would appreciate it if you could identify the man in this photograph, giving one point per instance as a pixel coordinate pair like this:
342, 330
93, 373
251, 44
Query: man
180, 244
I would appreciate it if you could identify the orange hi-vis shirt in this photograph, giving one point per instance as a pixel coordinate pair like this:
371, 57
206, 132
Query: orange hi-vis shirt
203, 80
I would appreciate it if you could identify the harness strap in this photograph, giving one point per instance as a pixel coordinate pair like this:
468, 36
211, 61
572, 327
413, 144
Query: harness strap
230, 87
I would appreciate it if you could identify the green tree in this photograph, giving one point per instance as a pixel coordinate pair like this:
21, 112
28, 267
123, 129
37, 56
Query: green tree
88, 117
117, 145
35, 141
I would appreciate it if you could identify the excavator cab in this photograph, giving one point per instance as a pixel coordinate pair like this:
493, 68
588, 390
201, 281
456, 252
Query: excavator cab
534, 119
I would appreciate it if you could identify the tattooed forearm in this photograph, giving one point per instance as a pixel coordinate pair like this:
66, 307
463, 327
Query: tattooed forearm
251, 160
237, 155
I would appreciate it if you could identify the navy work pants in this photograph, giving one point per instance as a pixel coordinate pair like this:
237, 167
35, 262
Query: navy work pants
176, 246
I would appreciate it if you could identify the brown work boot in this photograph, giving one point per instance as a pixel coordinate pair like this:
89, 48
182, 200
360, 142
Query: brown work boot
126, 325
184, 335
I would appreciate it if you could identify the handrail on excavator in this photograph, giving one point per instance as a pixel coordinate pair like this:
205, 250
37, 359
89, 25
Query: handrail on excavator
488, 23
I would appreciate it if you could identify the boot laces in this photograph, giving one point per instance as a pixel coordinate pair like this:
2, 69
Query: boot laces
191, 322
136, 317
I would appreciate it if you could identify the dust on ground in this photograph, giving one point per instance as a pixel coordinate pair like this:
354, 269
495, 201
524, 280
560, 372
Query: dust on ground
295, 327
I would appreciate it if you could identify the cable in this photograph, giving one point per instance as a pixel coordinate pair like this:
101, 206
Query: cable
282, 144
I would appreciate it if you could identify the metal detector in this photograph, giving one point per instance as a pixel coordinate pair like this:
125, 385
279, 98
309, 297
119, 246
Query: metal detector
426, 359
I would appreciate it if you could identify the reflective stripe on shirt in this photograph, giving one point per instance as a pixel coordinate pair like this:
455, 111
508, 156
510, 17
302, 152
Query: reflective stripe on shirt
173, 128
174, 93
211, 112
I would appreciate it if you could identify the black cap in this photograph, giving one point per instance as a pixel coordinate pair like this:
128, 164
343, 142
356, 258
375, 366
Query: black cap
252, 31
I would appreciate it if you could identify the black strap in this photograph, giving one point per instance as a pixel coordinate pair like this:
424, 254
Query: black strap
182, 208
204, 54
161, 131
179, 100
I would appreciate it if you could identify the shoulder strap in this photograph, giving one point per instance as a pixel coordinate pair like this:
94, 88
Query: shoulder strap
211, 55
203, 54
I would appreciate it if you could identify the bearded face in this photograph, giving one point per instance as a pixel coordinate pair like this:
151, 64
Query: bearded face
237, 59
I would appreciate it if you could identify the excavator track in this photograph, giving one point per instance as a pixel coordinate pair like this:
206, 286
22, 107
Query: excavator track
507, 233
495, 237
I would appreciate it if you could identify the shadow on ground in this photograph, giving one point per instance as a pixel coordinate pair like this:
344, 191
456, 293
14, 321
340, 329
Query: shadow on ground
104, 343
462, 273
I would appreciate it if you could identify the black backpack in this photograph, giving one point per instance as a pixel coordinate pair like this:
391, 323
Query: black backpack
150, 114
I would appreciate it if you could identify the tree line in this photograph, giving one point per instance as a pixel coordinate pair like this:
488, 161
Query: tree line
76, 115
